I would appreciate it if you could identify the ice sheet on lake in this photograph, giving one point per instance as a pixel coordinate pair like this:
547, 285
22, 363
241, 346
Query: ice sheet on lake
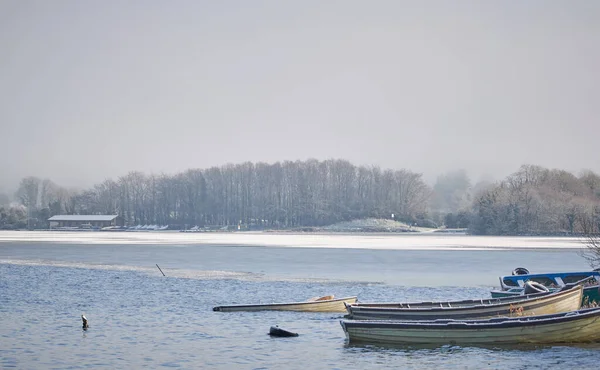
180, 273
427, 241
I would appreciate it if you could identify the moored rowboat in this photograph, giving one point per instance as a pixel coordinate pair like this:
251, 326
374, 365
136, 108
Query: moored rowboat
570, 327
552, 279
527, 305
516, 284
324, 304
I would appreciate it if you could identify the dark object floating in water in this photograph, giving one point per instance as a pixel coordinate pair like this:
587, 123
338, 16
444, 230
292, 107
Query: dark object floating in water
85, 322
276, 331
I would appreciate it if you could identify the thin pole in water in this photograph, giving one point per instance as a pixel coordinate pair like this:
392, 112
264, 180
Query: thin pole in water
160, 270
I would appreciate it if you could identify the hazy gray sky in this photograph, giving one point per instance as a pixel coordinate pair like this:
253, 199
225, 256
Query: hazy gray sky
93, 89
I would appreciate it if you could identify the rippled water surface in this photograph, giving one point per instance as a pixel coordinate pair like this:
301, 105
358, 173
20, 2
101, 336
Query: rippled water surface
140, 319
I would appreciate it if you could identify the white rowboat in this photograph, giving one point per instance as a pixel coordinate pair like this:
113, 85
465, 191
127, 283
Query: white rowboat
323, 304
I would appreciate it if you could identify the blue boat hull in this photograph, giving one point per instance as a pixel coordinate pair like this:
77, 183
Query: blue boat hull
512, 285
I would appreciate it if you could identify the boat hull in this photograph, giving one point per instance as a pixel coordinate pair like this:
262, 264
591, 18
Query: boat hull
330, 305
564, 301
572, 327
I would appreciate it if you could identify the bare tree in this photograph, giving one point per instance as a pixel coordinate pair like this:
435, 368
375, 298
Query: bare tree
28, 191
591, 250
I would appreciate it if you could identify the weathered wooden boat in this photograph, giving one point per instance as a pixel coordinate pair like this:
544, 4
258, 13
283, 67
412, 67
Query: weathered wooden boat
317, 304
515, 284
526, 305
569, 327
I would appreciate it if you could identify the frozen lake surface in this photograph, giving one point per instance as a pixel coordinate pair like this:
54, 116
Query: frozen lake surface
394, 241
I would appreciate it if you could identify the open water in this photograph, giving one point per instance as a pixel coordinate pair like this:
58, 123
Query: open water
141, 319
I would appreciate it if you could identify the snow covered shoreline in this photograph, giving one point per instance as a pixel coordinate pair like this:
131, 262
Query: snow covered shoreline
348, 240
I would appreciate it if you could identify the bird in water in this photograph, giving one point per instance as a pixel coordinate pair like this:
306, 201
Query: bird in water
85, 322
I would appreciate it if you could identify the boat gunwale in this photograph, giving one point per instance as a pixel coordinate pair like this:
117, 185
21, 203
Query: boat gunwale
480, 302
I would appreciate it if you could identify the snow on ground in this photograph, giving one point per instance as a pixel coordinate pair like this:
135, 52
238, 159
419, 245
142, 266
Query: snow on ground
391, 241
374, 225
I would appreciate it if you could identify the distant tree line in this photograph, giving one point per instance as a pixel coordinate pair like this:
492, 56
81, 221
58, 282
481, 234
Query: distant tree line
539, 201
532, 201
288, 194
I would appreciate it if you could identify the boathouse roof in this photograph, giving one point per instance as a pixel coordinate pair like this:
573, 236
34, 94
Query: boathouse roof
83, 218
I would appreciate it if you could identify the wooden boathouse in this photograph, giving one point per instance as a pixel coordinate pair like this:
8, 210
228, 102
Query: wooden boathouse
83, 221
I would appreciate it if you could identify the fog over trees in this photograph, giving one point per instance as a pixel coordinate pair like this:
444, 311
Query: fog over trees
532, 201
